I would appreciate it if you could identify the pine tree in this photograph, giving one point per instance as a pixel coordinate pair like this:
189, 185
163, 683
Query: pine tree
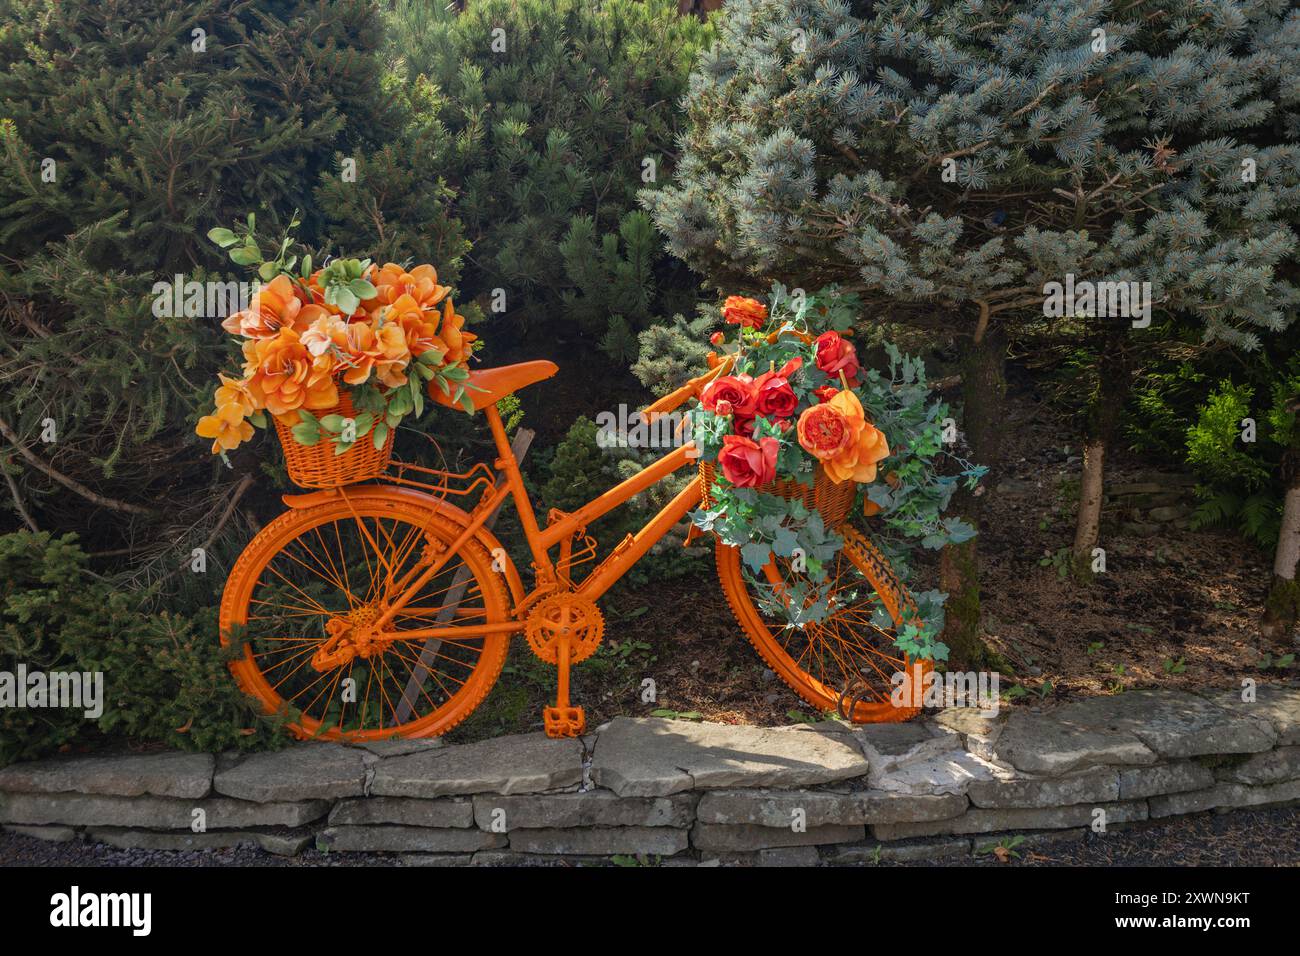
556, 113
949, 161
129, 130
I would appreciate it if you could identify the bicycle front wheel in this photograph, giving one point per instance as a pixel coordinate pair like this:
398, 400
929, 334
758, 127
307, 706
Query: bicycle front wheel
847, 655
301, 596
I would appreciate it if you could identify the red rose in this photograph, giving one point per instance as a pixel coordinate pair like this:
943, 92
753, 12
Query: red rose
743, 425
717, 338
739, 310
825, 393
746, 463
773, 396
736, 390
835, 355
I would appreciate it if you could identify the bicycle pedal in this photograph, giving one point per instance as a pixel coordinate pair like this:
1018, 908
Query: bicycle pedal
564, 721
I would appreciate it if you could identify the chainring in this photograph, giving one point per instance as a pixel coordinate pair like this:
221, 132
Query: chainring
546, 622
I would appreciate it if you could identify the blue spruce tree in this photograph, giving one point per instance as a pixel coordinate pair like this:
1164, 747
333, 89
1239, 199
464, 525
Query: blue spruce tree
953, 162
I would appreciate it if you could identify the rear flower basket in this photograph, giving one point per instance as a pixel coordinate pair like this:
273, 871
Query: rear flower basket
322, 466
833, 501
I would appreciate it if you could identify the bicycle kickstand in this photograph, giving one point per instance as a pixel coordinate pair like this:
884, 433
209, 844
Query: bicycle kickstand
563, 720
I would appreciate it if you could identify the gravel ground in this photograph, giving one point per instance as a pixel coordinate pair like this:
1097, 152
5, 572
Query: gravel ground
1242, 838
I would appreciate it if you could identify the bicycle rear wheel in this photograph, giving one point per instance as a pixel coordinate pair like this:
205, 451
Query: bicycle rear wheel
312, 580
850, 653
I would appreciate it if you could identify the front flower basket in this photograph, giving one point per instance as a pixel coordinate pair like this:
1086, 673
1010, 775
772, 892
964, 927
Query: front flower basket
317, 466
833, 501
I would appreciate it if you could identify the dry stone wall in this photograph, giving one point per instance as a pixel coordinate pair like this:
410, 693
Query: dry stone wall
682, 793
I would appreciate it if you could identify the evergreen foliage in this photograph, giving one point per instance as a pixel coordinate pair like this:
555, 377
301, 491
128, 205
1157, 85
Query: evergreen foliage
164, 676
555, 113
129, 129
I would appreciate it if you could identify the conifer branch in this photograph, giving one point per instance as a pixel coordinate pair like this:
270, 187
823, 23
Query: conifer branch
70, 483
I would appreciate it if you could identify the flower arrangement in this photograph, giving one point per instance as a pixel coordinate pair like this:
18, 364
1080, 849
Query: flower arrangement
375, 336
794, 407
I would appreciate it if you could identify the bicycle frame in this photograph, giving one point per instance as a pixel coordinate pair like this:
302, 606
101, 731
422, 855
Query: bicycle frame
542, 540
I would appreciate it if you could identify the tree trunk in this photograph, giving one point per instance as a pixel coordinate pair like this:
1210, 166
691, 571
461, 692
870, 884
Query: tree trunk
984, 388
1104, 410
1282, 606
1087, 527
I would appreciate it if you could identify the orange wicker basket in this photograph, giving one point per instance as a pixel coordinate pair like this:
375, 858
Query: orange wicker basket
316, 466
833, 501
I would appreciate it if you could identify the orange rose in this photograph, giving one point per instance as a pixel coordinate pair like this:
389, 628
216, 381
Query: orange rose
859, 463
326, 331
393, 282
838, 435
227, 427
824, 431
739, 310
283, 376
747, 463
274, 306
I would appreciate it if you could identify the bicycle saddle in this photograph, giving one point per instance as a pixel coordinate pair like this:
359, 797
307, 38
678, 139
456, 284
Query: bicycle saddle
487, 386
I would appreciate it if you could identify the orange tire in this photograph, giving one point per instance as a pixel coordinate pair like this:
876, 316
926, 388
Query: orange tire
850, 653
329, 566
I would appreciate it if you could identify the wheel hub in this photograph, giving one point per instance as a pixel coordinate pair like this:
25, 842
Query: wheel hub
351, 635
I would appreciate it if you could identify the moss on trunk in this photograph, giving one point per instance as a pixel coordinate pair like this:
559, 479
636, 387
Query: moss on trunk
984, 389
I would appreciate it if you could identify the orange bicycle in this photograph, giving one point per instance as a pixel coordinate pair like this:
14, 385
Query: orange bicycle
381, 609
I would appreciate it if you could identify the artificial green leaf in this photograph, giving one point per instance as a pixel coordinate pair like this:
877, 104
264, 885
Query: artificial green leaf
304, 433
362, 289
222, 237
379, 436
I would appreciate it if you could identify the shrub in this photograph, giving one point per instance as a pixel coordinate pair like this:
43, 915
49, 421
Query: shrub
129, 130
165, 677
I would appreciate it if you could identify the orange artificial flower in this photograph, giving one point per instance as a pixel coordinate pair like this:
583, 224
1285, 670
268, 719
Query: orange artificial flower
283, 376
325, 331
234, 391
454, 339
837, 434
274, 306
420, 327
227, 427
393, 282
739, 310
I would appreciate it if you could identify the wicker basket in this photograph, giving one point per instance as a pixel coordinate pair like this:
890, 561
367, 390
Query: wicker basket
833, 501
316, 466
